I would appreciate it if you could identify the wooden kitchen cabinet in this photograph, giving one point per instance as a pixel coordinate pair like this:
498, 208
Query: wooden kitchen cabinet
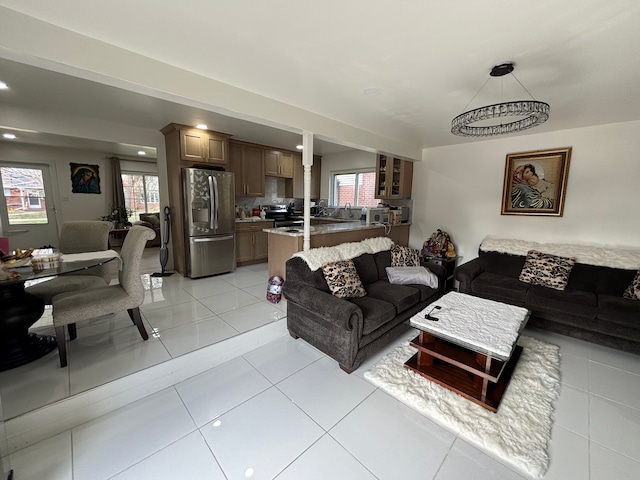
394, 177
247, 163
252, 244
198, 147
297, 190
278, 164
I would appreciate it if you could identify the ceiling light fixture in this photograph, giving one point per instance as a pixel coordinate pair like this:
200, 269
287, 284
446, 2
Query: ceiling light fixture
372, 91
201, 126
299, 147
3, 86
531, 112
142, 152
9, 136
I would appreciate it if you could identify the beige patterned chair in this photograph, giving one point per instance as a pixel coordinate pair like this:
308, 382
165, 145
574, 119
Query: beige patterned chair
78, 237
128, 294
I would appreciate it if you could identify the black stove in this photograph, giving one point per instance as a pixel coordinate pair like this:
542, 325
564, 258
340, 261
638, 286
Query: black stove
282, 216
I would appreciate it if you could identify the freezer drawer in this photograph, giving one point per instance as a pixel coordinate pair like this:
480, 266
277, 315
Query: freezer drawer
211, 255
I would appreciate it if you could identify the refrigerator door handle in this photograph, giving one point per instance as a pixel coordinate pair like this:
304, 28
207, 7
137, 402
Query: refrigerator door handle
211, 239
213, 189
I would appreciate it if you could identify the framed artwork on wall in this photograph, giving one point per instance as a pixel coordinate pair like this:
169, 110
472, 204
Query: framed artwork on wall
535, 182
84, 178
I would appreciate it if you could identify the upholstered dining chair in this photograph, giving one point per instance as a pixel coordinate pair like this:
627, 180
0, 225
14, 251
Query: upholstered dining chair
78, 237
86, 304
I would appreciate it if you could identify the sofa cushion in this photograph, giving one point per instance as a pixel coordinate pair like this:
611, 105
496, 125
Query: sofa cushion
375, 312
619, 310
412, 275
383, 260
576, 302
366, 268
401, 296
343, 279
500, 288
633, 290
404, 256
502, 263
425, 292
547, 270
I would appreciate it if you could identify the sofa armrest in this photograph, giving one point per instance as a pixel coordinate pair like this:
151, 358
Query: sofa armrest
466, 272
335, 311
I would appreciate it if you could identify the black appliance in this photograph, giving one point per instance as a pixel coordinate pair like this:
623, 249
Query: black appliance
283, 216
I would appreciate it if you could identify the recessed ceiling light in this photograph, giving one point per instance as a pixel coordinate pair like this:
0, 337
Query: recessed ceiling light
299, 147
372, 91
9, 136
3, 86
201, 126
142, 152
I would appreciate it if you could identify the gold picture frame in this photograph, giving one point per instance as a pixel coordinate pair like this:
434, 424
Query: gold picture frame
535, 183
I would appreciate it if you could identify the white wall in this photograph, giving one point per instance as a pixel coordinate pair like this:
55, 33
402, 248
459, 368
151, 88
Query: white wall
459, 189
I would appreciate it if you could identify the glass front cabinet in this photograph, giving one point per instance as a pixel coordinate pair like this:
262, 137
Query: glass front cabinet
393, 178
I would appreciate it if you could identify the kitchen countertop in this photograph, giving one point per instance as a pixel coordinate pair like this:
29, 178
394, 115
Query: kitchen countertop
346, 226
253, 219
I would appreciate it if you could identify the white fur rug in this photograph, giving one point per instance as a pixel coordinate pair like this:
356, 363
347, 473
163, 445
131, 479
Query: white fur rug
518, 433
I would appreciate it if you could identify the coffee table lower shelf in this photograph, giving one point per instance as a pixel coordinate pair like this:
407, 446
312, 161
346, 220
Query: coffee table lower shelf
477, 383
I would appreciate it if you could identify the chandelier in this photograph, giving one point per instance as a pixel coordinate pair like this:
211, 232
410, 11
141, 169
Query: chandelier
530, 112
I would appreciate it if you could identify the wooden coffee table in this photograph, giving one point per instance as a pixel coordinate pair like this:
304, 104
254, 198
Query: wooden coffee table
471, 347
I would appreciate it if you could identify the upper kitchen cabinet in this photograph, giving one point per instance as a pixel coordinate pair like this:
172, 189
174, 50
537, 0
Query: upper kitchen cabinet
393, 178
297, 184
278, 164
198, 147
246, 161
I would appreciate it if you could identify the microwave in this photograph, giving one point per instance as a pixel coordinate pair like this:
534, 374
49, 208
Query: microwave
377, 215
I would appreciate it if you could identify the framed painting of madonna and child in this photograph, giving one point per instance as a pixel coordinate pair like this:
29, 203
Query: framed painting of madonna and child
535, 182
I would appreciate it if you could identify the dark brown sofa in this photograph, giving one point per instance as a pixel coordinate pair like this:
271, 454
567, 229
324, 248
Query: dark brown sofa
591, 307
351, 330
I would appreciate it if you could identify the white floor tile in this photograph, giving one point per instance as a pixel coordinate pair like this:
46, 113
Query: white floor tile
252, 316
615, 384
220, 389
575, 371
615, 358
607, 465
225, 302
265, 434
391, 440
325, 392
245, 278
207, 287
615, 426
90, 366
192, 336
50, 459
568, 456
282, 358
112, 443
572, 410
326, 460
466, 461
188, 458
163, 297
176, 315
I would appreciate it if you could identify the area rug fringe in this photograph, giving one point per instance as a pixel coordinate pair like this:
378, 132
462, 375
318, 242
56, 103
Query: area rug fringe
518, 433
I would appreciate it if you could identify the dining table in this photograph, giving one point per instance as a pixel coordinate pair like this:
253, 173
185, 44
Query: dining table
20, 310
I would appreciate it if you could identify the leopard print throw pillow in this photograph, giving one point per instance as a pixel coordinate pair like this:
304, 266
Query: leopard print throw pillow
404, 256
633, 290
343, 280
547, 270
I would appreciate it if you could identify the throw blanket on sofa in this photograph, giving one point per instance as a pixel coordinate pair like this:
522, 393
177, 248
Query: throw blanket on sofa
316, 257
590, 255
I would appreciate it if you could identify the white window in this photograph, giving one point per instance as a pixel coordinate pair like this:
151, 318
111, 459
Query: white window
355, 188
141, 192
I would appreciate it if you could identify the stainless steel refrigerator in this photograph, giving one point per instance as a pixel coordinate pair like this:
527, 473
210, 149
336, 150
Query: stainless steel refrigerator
210, 226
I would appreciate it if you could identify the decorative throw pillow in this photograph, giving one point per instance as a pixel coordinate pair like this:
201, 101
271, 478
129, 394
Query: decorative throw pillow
547, 270
633, 290
343, 280
404, 256
412, 276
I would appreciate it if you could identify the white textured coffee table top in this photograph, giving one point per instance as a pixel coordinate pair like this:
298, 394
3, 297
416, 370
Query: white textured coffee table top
481, 324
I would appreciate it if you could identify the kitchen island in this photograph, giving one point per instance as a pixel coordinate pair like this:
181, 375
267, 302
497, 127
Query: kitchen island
285, 241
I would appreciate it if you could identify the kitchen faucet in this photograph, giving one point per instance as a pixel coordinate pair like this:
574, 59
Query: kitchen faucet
348, 209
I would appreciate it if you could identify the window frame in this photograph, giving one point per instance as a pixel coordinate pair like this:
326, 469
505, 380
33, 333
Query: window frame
351, 171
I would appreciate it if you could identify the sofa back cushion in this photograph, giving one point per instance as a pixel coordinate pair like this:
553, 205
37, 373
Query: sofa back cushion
502, 263
366, 268
299, 272
383, 260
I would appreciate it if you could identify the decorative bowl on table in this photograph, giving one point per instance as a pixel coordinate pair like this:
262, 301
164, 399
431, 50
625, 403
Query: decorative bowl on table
22, 262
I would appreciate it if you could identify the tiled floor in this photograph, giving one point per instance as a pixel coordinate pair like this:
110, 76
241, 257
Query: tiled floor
287, 411
180, 314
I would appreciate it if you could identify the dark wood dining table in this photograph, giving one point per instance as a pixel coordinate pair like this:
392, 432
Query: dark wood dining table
19, 310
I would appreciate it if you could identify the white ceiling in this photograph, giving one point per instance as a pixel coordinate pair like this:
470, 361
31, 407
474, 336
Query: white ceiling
429, 58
